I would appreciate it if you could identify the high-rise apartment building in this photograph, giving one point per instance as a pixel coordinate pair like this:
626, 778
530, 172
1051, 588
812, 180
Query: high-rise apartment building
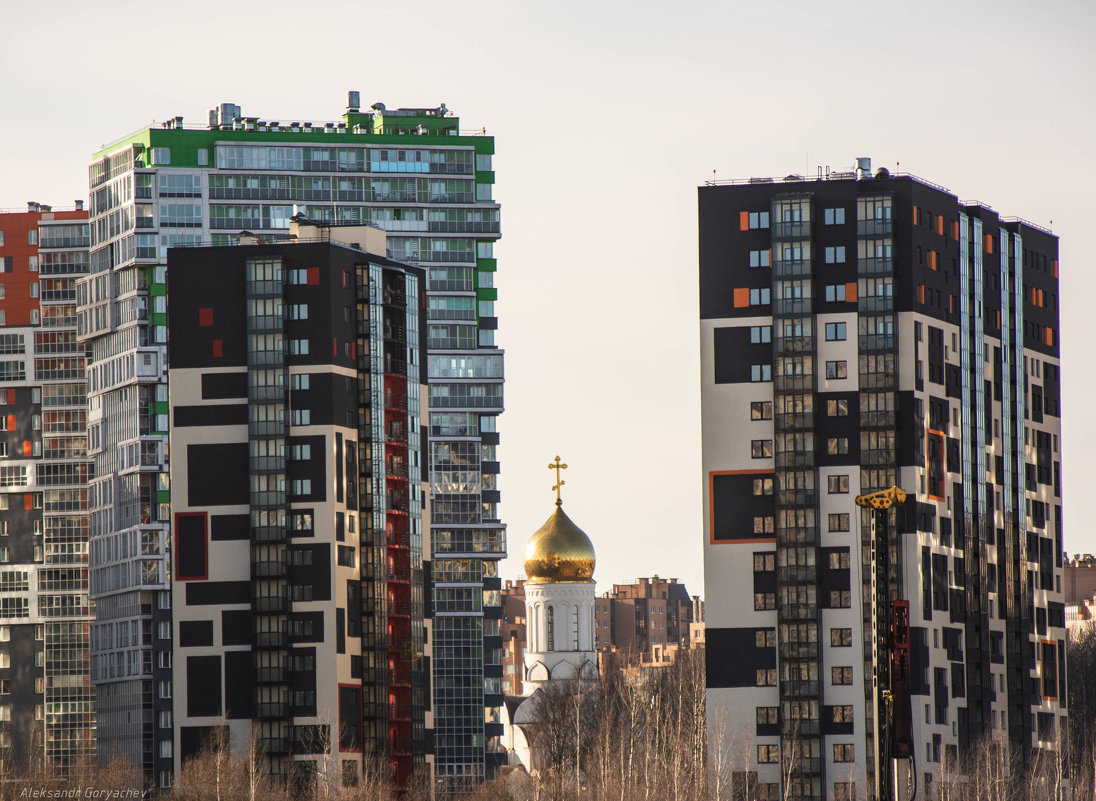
46, 702
410, 172
299, 485
860, 331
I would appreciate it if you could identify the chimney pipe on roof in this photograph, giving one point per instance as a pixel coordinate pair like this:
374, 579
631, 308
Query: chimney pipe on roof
79, 205
32, 206
354, 102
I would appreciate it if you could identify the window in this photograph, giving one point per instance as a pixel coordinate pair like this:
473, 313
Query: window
840, 599
841, 676
203, 157
761, 410
164, 689
760, 297
298, 311
764, 563
837, 369
833, 217
842, 714
758, 219
839, 560
761, 372
761, 333
761, 448
299, 381
764, 601
302, 417
768, 754
837, 407
835, 255
763, 486
844, 752
835, 332
34, 289
302, 486
841, 638
767, 716
763, 524
759, 258
32, 236
838, 521
837, 446
302, 452
766, 677
33, 264
161, 155
837, 485
846, 791
835, 293
298, 347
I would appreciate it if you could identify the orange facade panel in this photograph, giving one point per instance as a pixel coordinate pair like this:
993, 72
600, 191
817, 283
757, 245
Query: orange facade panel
850, 292
932, 259
987, 243
743, 220
916, 215
741, 297
940, 224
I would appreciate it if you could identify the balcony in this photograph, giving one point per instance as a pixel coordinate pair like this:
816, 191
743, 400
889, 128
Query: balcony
271, 675
270, 604
271, 639
268, 569
272, 709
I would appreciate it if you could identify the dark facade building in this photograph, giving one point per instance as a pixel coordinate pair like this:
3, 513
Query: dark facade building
47, 707
297, 436
860, 331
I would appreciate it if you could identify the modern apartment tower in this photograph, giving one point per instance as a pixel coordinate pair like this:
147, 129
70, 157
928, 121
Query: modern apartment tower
410, 172
299, 485
46, 702
859, 331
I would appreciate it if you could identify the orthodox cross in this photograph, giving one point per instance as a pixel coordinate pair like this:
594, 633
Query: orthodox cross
559, 481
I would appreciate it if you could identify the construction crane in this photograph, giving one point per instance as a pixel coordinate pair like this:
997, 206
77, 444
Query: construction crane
890, 651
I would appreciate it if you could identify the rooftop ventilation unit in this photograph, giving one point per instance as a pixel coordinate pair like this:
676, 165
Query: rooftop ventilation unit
353, 102
863, 167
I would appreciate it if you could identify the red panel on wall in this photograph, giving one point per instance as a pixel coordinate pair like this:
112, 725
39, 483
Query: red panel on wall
205, 317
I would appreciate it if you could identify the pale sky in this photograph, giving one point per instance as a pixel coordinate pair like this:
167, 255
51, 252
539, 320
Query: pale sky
607, 116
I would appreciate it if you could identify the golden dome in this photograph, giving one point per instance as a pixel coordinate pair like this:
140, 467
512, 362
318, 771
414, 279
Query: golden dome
559, 553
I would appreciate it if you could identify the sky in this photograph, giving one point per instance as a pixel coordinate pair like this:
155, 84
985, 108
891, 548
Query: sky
607, 116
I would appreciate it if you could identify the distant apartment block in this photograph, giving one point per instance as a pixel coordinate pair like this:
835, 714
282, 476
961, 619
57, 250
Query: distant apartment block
412, 172
646, 622
46, 703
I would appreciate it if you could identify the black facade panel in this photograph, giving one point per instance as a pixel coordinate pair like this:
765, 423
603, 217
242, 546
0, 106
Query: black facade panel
192, 739
350, 716
733, 658
829, 726
229, 527
217, 475
954, 384
318, 574
735, 507
909, 430
239, 685
340, 631
236, 627
919, 660
306, 620
191, 548
194, 633
734, 354
208, 415
203, 686
222, 386
314, 469
203, 593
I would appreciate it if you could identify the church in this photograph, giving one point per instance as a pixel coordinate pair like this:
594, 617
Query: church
559, 603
